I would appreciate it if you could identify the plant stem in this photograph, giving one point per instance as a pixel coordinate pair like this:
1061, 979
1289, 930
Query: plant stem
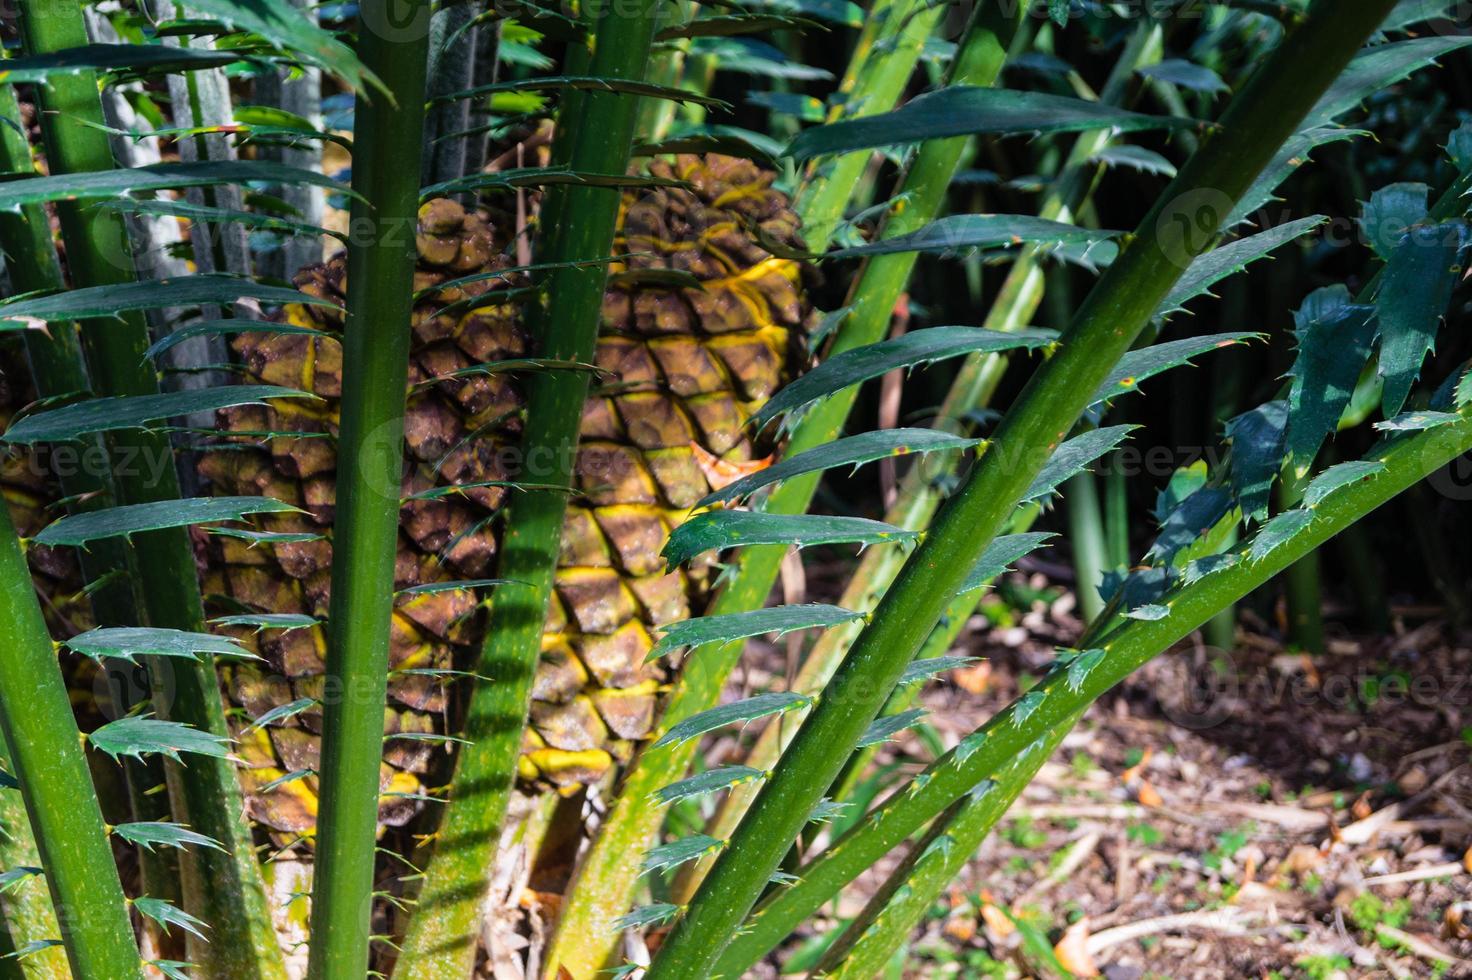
1260, 119
388, 146
26, 907
442, 935
57, 367
46, 751
922, 488
222, 888
1086, 534
901, 27
1010, 731
891, 914
604, 883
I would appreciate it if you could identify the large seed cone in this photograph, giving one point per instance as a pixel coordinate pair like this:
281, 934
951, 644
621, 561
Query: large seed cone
683, 366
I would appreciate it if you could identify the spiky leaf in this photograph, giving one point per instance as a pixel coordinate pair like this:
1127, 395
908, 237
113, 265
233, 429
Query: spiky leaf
269, 621
873, 360
920, 670
756, 622
721, 529
284, 711
94, 185
1339, 476
678, 852
78, 529
646, 915
1389, 214
219, 328
851, 451
886, 727
1257, 438
737, 712
710, 781
130, 58
1187, 523
1139, 365
137, 735
12, 878
1002, 554
168, 915
136, 411
1212, 267
282, 23
127, 642
1376, 68
1420, 275
1417, 421
1279, 531
1293, 154
1186, 74
959, 232
162, 834
1073, 457
962, 110
1334, 339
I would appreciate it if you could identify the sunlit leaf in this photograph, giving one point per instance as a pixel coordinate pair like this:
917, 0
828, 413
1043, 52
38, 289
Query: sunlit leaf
678, 852
162, 834
139, 735
127, 642
851, 451
721, 529
710, 781
1073, 457
1004, 552
1339, 476
737, 712
756, 622
167, 915
886, 727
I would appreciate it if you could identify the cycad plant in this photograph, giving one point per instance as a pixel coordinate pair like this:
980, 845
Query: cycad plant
429, 569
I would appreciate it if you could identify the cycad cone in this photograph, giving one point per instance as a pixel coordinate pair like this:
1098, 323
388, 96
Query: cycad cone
701, 325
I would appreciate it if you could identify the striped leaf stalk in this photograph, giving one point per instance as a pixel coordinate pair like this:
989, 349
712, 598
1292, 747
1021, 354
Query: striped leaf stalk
920, 491
1260, 119
387, 151
58, 368
987, 751
47, 759
604, 883
223, 888
598, 136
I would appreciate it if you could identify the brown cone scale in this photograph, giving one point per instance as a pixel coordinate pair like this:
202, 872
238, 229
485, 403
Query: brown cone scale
681, 368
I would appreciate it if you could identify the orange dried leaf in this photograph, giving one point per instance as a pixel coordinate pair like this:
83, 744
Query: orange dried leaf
1073, 950
997, 921
720, 473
